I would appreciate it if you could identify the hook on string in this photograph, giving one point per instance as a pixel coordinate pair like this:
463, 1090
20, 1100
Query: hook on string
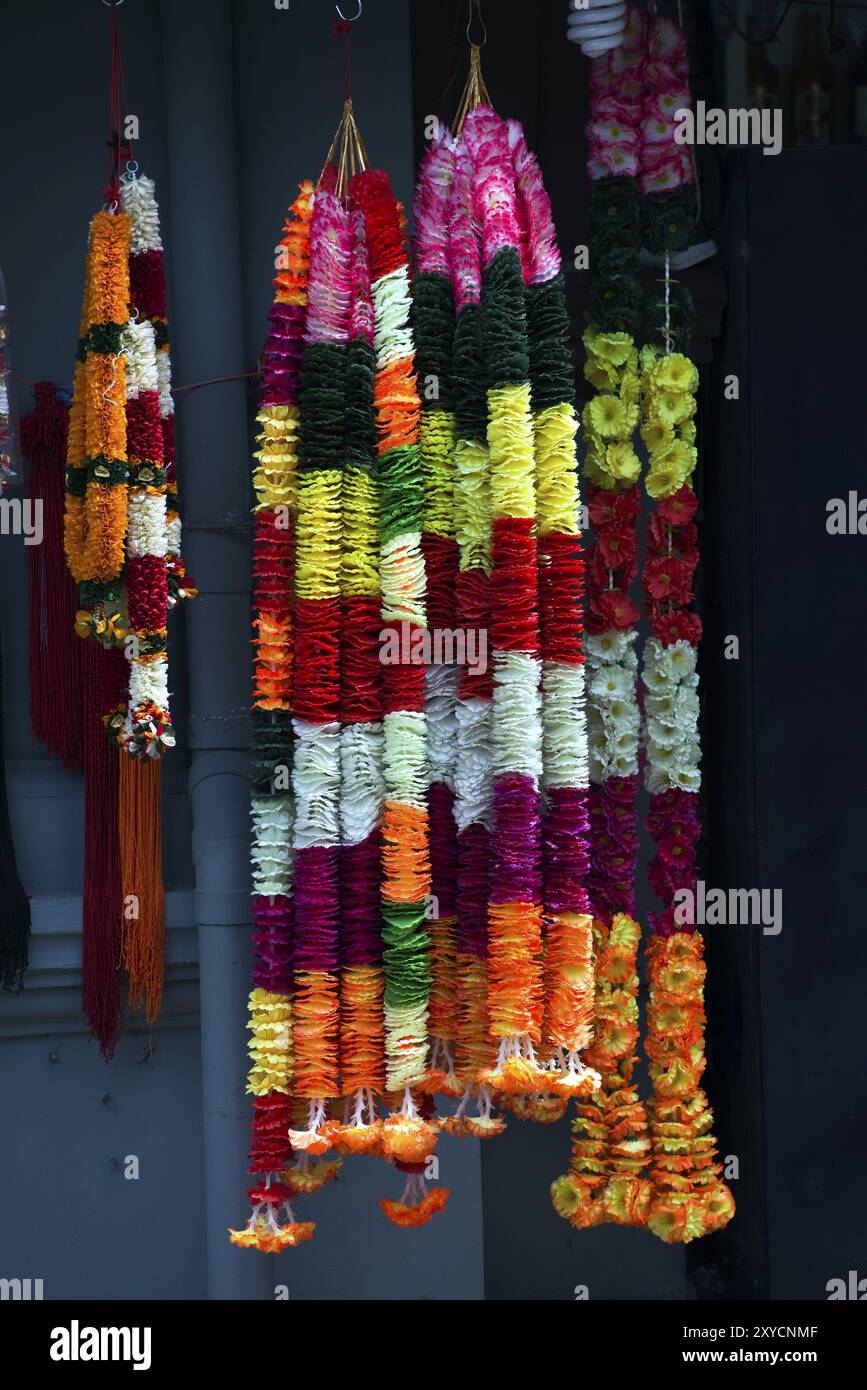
476, 9
354, 17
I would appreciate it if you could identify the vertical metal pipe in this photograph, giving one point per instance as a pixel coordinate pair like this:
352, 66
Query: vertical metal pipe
204, 246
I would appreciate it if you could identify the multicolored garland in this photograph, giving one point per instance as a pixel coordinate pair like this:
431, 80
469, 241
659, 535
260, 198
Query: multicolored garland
689, 1197
636, 89
122, 545
429, 924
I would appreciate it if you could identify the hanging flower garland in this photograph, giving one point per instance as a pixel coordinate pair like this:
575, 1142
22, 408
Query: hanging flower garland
526, 430
433, 327
272, 1224
473, 803
406, 1135
610, 1146
569, 993
456, 508
96, 502
123, 550
689, 1197
682, 1196
94, 535
514, 908
316, 763
362, 981
357, 851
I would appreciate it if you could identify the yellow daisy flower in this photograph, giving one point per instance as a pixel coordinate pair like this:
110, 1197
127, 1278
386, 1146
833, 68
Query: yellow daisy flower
600, 375
663, 480
673, 406
623, 463
680, 455
657, 434
607, 416
610, 347
675, 373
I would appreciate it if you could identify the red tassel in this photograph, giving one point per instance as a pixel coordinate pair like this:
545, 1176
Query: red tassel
55, 650
102, 891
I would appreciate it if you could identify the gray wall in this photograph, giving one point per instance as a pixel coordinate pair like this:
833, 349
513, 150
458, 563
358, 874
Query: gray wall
72, 1119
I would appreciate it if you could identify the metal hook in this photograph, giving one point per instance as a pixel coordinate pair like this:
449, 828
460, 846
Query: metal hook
354, 17
113, 2
477, 6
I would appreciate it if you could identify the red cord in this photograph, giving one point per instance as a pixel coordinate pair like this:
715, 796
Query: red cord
343, 30
120, 147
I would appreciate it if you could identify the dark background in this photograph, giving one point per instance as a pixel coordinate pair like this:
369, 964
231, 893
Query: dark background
237, 102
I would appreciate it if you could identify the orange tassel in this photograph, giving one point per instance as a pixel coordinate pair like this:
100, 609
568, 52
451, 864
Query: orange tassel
141, 855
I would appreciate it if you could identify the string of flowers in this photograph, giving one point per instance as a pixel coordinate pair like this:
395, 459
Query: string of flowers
406, 1138
610, 1147
122, 547
569, 991
473, 803
433, 328
362, 1043
272, 1224
156, 576
96, 491
317, 638
689, 1198
95, 521
515, 987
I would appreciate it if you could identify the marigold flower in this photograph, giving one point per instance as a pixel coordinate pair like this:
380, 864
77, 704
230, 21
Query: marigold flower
403, 1214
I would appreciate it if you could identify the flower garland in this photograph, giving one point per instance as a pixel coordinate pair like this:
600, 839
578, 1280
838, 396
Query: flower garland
356, 852
636, 89
433, 327
317, 638
122, 544
473, 803
610, 1146
569, 992
515, 986
96, 500
149, 298
453, 502
362, 982
95, 520
689, 1198
518, 299
406, 1135
275, 484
